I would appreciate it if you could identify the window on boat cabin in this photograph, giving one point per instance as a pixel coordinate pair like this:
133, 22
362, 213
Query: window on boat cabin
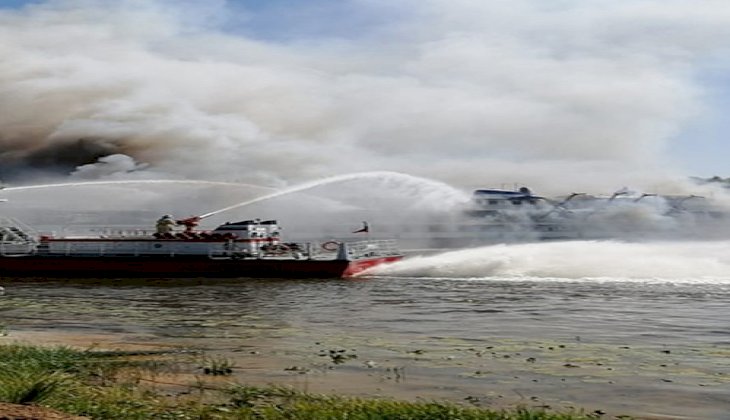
516, 202
493, 202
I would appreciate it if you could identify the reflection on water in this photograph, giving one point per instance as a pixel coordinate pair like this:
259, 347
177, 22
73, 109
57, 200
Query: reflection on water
667, 345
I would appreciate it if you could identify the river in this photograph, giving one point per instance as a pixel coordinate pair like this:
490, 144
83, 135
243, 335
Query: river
654, 346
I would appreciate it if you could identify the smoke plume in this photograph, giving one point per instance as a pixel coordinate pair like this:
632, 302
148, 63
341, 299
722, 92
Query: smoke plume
465, 92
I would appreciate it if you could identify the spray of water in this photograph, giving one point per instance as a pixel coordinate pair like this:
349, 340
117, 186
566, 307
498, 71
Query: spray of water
72, 205
428, 190
575, 260
131, 182
382, 198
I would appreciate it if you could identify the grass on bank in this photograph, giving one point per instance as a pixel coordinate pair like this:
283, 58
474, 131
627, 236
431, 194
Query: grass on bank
109, 385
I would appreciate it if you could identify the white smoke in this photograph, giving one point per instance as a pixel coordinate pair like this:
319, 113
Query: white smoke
466, 92
108, 166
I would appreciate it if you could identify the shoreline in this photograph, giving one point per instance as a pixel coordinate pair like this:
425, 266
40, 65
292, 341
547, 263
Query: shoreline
507, 375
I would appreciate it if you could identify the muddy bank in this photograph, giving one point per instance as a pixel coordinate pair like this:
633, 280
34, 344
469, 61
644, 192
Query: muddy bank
646, 382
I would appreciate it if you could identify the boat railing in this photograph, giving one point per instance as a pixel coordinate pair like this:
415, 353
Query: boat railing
121, 232
16, 238
372, 248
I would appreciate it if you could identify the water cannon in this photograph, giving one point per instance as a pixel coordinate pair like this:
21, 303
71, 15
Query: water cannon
190, 223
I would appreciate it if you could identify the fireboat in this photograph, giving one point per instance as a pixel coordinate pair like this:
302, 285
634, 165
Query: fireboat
245, 249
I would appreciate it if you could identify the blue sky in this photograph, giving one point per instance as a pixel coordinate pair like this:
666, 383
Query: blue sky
13, 3
535, 71
703, 146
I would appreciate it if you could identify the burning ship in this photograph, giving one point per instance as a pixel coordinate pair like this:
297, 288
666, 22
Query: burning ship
250, 248
498, 215
624, 214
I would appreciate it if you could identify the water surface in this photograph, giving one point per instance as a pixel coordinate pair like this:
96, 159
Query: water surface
624, 347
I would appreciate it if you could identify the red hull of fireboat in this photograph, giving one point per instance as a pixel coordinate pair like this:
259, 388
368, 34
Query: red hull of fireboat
181, 267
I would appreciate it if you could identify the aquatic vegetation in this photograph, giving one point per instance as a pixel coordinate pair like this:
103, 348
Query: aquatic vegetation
284, 403
341, 356
217, 366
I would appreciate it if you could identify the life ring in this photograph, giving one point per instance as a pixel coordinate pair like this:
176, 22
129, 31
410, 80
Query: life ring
331, 246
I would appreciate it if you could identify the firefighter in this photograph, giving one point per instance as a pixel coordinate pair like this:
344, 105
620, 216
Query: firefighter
165, 224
